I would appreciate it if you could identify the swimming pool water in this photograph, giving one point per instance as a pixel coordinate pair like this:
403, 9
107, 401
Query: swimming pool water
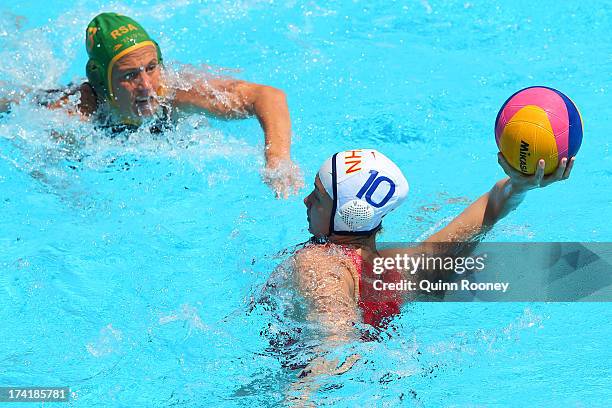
128, 267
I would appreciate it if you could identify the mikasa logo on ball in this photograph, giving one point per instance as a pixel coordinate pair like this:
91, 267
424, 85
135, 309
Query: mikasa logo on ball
523, 155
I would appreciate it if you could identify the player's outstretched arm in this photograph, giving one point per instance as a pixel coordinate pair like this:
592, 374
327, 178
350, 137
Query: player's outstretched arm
504, 197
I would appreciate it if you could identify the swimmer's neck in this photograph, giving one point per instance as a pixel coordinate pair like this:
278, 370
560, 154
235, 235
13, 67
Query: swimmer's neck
365, 242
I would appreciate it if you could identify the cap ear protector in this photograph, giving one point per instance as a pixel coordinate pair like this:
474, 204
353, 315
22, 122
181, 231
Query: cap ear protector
96, 74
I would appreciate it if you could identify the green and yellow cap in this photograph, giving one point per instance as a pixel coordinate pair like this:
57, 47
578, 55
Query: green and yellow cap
110, 36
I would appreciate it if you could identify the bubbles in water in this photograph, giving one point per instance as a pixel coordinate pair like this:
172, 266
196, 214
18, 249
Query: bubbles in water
108, 342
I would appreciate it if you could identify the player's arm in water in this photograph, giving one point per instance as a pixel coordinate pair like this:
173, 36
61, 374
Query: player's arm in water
7, 98
53, 98
5, 104
229, 99
64, 98
10, 95
326, 283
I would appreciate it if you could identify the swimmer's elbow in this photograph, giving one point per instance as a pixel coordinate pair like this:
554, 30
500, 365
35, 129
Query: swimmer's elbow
268, 95
277, 94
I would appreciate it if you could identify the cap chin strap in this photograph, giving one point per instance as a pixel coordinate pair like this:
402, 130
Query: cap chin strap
357, 233
335, 195
319, 240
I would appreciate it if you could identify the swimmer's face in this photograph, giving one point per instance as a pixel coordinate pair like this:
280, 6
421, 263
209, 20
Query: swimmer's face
135, 79
319, 210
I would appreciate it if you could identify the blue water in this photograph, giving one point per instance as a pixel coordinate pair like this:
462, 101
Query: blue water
128, 268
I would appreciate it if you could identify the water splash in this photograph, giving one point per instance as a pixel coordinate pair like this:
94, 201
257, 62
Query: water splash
188, 314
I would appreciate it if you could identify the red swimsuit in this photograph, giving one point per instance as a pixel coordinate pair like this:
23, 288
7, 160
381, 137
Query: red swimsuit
377, 306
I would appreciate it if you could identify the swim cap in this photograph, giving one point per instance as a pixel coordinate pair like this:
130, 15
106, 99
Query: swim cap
364, 186
110, 36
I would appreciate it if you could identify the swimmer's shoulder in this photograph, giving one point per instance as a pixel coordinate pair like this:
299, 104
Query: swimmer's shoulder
322, 257
88, 103
61, 98
58, 98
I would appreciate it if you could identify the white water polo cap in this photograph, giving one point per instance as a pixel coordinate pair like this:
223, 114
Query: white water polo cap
364, 186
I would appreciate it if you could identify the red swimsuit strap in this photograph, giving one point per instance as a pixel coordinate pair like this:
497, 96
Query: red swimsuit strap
354, 255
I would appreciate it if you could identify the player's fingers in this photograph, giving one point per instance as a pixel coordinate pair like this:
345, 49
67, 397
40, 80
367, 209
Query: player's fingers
539, 174
569, 168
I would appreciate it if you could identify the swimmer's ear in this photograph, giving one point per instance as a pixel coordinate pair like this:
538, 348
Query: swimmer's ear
95, 76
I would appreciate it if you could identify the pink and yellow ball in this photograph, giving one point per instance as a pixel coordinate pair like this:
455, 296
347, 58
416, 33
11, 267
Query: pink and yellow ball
538, 123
